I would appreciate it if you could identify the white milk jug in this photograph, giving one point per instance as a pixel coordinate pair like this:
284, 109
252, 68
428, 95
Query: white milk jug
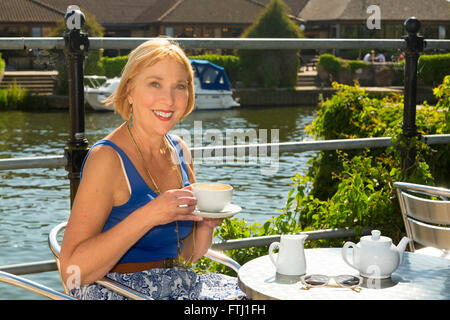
291, 256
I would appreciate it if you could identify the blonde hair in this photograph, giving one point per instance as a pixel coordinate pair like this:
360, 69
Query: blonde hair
144, 56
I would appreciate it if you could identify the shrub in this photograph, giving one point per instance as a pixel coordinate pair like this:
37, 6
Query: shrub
433, 68
331, 64
11, 97
353, 65
17, 98
112, 67
440, 164
271, 68
334, 66
351, 113
2, 65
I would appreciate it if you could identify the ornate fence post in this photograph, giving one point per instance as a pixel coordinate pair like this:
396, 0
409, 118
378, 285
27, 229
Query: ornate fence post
414, 46
76, 47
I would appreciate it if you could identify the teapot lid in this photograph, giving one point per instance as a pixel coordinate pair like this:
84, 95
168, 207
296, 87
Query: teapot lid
376, 239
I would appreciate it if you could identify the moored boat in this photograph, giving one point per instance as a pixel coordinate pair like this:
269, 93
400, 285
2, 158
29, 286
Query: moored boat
99, 89
212, 87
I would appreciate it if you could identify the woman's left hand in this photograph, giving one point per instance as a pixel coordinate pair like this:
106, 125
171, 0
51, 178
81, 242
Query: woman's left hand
210, 222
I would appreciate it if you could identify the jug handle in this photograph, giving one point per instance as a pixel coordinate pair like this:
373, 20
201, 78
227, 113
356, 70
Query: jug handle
272, 247
344, 253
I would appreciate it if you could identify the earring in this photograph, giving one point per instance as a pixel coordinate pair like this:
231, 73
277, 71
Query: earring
131, 116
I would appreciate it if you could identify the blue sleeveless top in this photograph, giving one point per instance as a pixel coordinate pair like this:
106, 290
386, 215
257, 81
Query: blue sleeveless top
161, 241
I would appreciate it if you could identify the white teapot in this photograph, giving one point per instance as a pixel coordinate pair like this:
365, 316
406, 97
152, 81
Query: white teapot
375, 256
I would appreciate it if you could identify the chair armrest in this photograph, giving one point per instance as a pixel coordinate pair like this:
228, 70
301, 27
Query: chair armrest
33, 286
223, 259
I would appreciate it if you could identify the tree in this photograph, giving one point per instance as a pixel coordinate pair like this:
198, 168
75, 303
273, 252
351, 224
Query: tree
271, 68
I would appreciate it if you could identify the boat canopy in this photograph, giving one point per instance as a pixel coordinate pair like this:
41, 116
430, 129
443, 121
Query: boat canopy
211, 76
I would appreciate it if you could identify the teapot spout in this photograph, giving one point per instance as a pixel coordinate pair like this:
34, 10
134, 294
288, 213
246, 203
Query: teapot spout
402, 246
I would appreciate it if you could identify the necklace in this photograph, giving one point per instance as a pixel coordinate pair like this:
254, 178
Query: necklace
180, 180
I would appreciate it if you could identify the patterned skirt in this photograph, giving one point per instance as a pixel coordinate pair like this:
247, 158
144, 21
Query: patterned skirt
177, 283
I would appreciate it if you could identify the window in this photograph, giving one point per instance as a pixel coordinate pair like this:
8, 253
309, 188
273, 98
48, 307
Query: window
441, 32
36, 32
429, 32
169, 31
394, 31
349, 31
366, 33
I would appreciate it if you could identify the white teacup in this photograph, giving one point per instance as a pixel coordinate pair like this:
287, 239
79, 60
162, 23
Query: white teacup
212, 196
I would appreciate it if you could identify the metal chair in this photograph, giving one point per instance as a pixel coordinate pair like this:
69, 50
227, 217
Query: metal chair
427, 221
118, 287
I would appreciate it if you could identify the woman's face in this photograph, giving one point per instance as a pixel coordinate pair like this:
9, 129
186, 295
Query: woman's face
159, 95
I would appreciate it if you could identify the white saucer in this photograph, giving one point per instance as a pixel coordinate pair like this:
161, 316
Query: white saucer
229, 211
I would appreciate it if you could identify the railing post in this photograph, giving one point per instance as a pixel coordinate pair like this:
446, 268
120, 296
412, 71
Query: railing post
76, 47
414, 45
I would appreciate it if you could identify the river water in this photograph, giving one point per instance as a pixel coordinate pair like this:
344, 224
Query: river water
32, 201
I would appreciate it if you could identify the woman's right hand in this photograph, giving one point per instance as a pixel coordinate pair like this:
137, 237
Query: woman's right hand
172, 205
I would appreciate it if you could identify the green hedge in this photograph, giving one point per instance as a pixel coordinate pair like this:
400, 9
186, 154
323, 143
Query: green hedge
2, 64
331, 64
353, 65
334, 64
112, 67
105, 66
433, 68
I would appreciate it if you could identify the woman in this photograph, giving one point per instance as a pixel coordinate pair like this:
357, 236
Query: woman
132, 216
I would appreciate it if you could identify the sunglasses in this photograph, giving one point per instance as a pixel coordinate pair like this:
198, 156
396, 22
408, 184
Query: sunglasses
319, 280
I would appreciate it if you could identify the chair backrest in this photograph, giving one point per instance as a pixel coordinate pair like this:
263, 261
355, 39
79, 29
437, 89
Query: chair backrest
427, 221
56, 248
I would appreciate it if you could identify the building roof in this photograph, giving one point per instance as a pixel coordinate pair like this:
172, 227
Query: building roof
28, 11
295, 6
207, 11
356, 10
109, 12
127, 12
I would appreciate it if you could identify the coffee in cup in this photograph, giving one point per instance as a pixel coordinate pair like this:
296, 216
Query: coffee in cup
212, 196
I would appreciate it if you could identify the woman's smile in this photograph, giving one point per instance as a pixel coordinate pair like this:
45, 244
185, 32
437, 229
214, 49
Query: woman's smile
163, 115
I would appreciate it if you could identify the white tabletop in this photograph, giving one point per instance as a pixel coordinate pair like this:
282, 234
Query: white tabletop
418, 277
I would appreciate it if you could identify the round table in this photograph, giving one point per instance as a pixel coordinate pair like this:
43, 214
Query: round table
418, 277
